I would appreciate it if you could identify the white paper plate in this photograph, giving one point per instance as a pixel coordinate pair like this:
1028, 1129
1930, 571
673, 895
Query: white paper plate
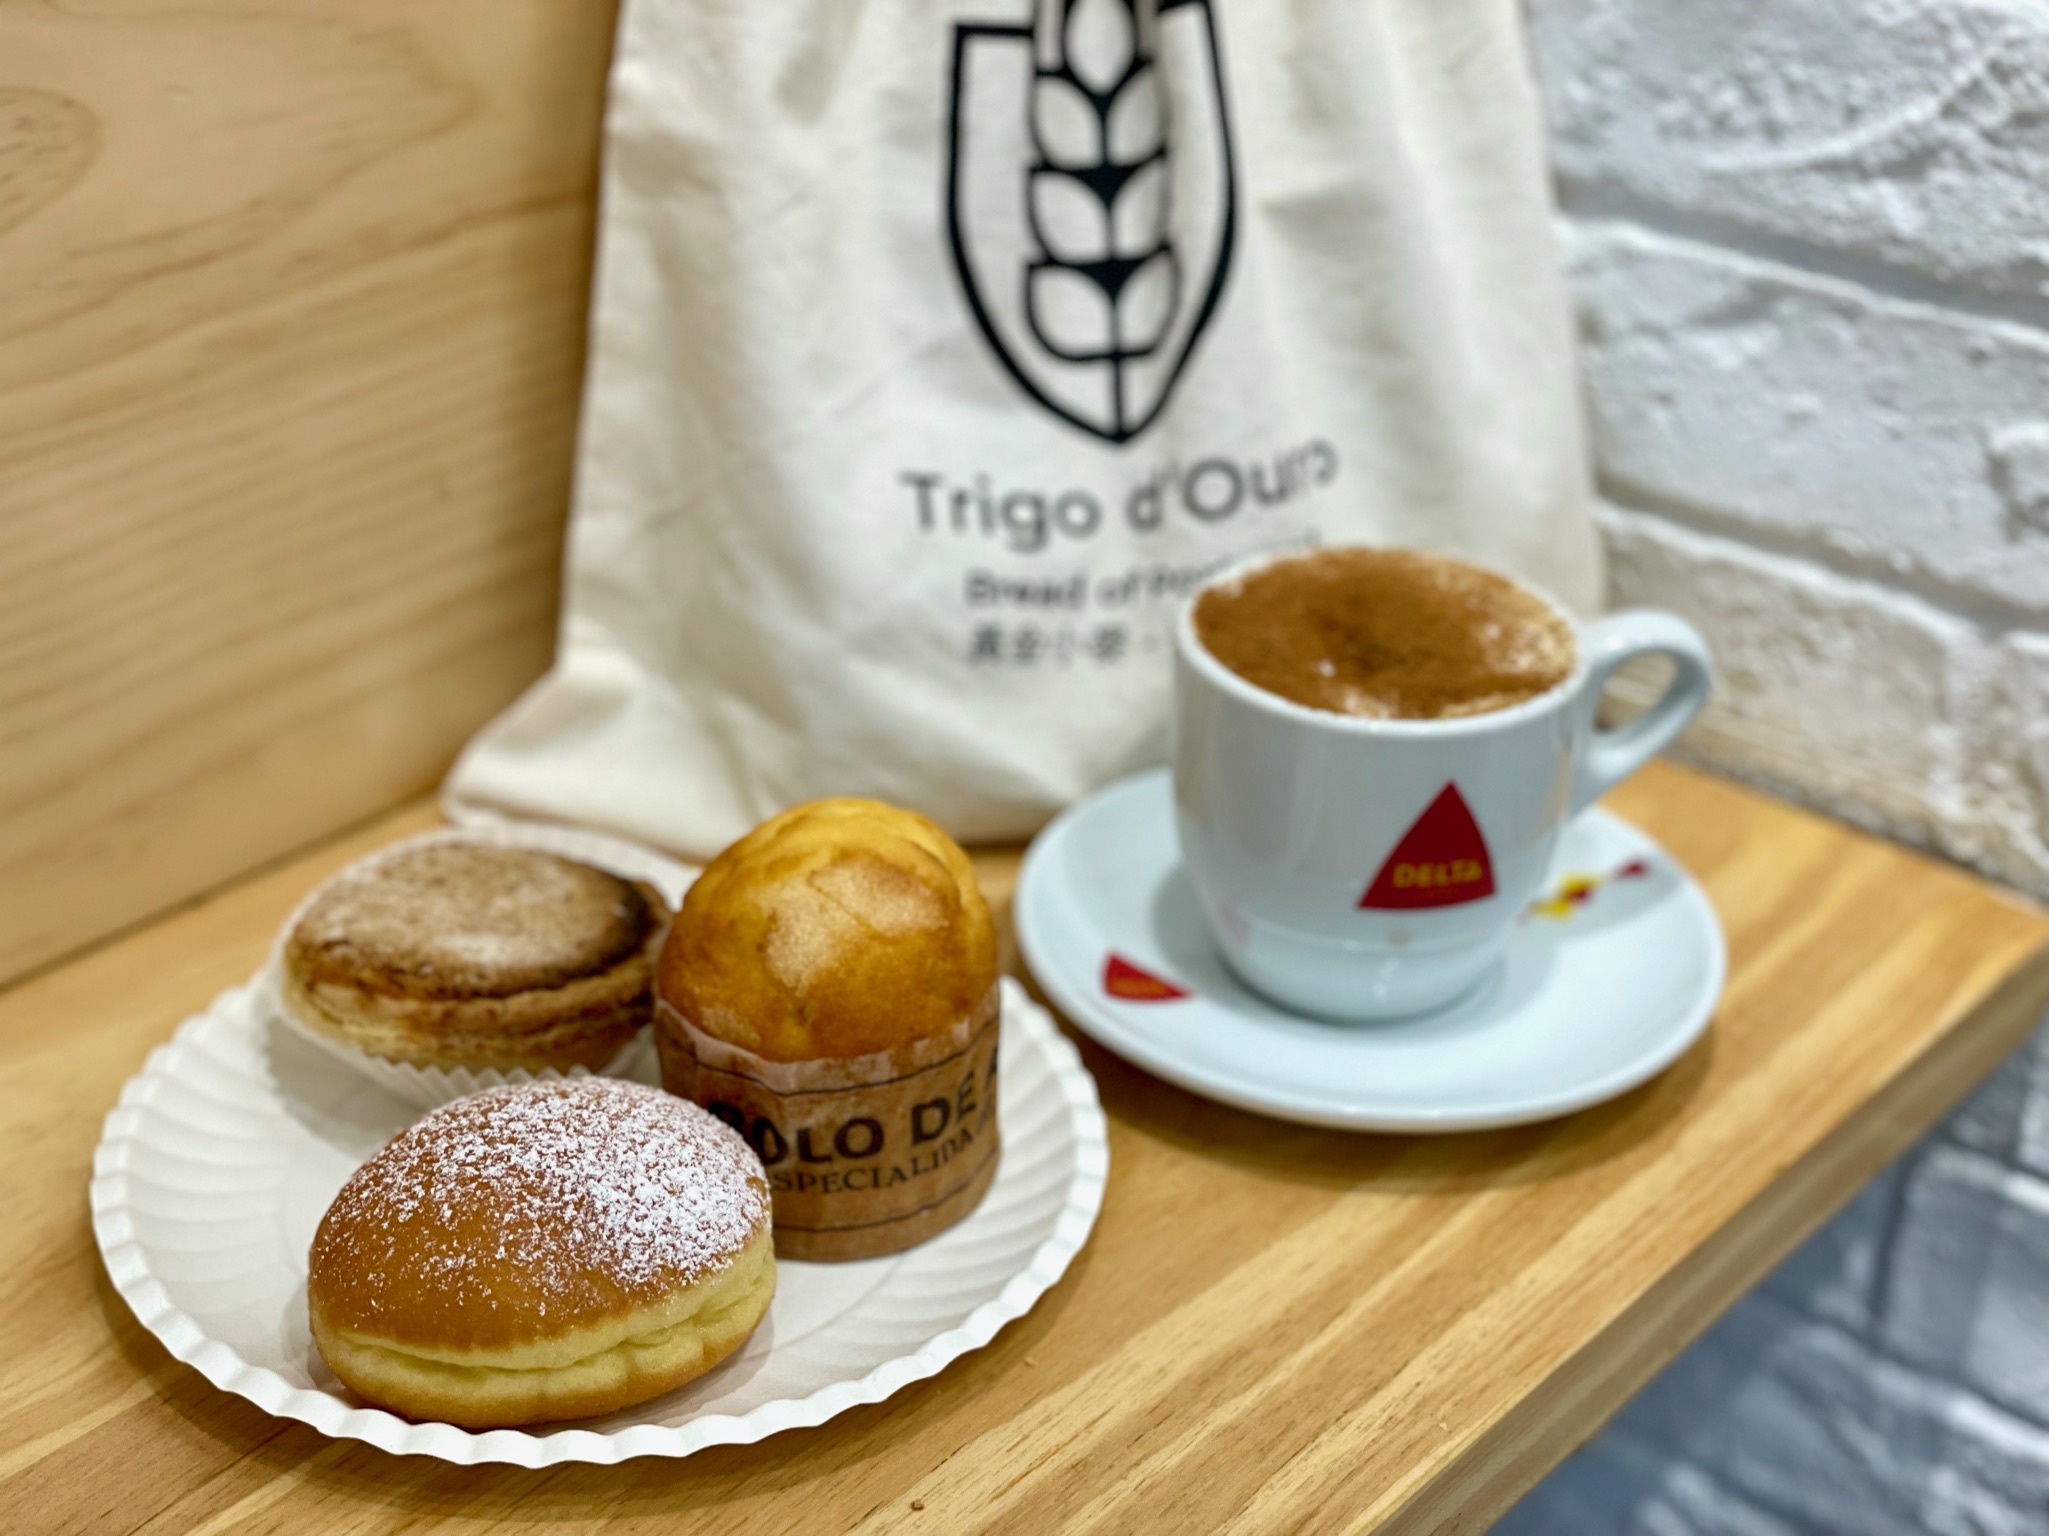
225, 1150
429, 1087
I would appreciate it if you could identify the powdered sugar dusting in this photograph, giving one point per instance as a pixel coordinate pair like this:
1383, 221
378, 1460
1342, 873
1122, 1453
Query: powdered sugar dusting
566, 1199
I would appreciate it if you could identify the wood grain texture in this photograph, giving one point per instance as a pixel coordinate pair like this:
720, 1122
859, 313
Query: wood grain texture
1274, 1328
291, 328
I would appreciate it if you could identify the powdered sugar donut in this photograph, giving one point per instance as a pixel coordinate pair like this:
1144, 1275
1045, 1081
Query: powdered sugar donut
544, 1251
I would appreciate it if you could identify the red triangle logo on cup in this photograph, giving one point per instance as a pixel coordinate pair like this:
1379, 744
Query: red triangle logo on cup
1127, 983
1441, 861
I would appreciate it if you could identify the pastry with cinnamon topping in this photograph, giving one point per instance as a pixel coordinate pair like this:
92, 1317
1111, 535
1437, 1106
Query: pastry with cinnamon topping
456, 954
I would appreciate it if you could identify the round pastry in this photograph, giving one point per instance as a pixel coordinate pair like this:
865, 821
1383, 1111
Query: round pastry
829, 989
454, 954
542, 1251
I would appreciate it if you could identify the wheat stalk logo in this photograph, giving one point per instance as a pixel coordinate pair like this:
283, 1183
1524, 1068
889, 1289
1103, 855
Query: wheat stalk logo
1093, 228
1106, 280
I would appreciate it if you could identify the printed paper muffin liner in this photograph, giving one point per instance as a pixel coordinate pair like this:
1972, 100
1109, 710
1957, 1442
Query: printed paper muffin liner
866, 1155
430, 1087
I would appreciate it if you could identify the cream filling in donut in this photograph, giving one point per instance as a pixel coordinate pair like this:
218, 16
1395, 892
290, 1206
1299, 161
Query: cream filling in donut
570, 1374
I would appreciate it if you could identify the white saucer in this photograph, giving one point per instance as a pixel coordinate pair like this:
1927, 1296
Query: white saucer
1602, 986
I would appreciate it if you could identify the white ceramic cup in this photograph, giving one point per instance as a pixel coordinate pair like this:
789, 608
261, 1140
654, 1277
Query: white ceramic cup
1363, 869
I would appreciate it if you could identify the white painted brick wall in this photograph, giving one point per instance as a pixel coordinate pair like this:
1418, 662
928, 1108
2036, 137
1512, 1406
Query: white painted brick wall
1903, 132
1809, 241
1806, 1425
1831, 688
2008, 1118
1908, 444
1968, 1286
2014, 731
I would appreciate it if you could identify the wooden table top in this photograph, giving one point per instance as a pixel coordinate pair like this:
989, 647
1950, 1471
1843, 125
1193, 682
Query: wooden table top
1273, 1328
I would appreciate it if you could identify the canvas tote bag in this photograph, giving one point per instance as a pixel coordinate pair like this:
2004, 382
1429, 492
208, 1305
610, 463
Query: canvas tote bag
939, 347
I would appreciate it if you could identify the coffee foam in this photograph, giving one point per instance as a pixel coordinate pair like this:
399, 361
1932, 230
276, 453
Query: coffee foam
1389, 634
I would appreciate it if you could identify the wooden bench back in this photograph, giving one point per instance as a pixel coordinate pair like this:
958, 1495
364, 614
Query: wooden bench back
291, 332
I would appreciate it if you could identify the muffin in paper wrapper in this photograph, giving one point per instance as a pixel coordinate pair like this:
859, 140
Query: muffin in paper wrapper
866, 1155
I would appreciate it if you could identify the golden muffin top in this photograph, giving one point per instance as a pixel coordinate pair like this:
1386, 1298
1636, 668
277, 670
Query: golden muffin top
838, 928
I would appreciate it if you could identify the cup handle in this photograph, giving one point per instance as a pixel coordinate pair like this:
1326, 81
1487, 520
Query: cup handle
1607, 643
